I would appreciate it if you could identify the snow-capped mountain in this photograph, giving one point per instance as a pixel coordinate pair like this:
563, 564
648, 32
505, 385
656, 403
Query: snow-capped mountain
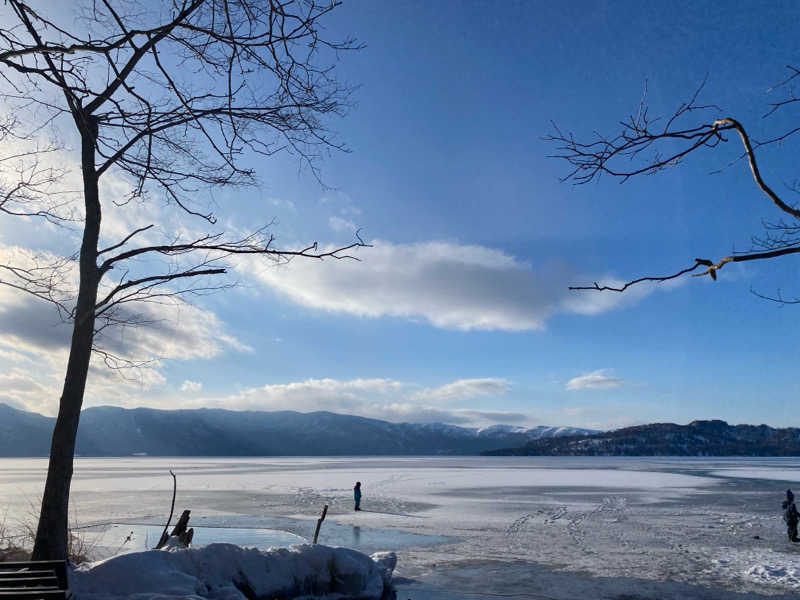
500, 430
112, 431
540, 431
698, 438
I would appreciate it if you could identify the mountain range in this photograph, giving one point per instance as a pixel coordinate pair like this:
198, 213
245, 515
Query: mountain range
113, 431
698, 438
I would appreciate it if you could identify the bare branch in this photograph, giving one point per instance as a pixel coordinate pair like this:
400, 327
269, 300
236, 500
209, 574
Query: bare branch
636, 151
125, 240
639, 140
711, 269
252, 244
745, 257
47, 280
754, 166
157, 279
602, 288
153, 37
791, 98
777, 298
118, 363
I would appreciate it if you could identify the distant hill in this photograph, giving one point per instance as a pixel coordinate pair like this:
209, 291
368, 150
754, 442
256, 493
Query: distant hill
23, 433
112, 431
698, 438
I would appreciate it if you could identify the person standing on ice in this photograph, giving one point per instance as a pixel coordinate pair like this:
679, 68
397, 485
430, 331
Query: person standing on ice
357, 495
791, 516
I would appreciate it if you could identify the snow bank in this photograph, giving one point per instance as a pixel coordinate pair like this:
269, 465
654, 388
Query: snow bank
763, 566
229, 572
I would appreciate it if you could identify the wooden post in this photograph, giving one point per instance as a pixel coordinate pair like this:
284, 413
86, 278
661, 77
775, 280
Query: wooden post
319, 523
180, 526
180, 531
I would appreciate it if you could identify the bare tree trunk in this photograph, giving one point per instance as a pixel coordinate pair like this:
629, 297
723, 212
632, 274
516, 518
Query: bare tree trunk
51, 534
267, 55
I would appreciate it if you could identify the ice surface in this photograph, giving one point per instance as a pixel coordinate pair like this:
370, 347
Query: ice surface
788, 474
475, 527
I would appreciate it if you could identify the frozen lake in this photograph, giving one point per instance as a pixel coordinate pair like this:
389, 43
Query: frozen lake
466, 527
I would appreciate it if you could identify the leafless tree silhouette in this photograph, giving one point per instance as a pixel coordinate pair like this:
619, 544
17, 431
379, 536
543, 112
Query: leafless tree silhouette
172, 97
647, 145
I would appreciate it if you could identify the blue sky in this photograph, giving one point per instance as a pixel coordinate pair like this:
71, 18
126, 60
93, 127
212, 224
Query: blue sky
460, 312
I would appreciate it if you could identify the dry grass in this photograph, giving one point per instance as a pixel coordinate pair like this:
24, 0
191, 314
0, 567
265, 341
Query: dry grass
17, 543
9, 548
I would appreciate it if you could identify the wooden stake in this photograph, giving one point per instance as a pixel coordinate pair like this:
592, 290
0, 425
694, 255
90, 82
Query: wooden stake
319, 522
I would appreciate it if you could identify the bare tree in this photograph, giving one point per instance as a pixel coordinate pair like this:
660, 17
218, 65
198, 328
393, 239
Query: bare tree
647, 145
173, 97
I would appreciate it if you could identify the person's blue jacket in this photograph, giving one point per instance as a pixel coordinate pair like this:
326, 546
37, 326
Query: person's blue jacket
357, 493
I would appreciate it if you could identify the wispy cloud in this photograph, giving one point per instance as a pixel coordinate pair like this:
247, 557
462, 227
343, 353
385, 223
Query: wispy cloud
191, 386
451, 286
341, 225
462, 389
600, 379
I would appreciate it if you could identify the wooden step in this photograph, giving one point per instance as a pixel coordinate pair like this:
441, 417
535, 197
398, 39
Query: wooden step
34, 580
34, 595
25, 573
21, 582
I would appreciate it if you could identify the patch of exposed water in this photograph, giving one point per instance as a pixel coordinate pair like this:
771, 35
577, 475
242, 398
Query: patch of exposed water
106, 540
262, 532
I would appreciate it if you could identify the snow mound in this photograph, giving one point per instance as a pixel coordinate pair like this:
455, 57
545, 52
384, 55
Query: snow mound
387, 561
230, 572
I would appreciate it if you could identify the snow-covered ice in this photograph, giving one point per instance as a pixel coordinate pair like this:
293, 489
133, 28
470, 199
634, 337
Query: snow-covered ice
475, 527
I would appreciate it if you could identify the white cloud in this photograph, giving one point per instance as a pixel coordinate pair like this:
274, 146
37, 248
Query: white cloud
341, 225
600, 379
463, 389
340, 202
377, 398
283, 204
12, 356
312, 394
32, 388
173, 329
17, 380
191, 386
33, 333
451, 286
